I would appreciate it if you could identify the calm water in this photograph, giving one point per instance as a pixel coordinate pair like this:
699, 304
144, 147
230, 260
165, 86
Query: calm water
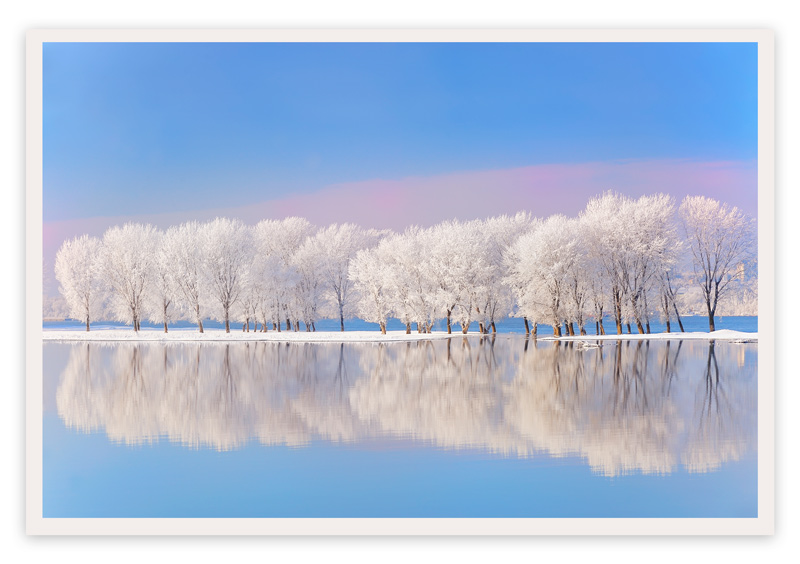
502, 427
511, 325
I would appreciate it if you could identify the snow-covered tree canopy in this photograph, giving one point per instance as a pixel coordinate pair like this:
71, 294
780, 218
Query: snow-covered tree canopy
626, 258
721, 240
77, 271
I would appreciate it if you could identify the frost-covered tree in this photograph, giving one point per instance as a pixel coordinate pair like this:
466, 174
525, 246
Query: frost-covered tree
246, 308
77, 272
605, 226
526, 302
127, 267
453, 266
183, 250
577, 277
335, 246
401, 281
371, 278
227, 255
307, 262
411, 281
649, 246
281, 240
628, 240
471, 273
545, 257
495, 299
162, 291
721, 239
265, 281
596, 283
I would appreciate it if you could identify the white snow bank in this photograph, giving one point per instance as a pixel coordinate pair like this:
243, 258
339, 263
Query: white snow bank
192, 335
721, 335
212, 335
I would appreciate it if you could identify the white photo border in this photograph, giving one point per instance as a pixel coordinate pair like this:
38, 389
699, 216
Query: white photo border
764, 524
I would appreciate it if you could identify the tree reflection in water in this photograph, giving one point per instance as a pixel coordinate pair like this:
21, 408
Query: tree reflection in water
623, 407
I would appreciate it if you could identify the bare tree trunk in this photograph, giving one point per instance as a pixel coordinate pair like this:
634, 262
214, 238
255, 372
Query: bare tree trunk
596, 327
711, 326
556, 329
480, 327
629, 328
678, 315
464, 328
527, 327
165, 326
313, 327
494, 328
618, 311
668, 327
408, 328
535, 330
341, 316
87, 323
449, 328
383, 327
200, 325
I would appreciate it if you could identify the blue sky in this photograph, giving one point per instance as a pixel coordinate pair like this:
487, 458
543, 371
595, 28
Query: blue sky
151, 128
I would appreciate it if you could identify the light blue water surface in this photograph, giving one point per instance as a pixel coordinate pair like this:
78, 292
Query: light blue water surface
503, 427
511, 325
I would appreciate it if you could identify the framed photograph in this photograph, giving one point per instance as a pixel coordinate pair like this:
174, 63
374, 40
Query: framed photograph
421, 282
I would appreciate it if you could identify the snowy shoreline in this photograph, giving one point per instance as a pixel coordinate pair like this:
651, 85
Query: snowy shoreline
721, 335
212, 335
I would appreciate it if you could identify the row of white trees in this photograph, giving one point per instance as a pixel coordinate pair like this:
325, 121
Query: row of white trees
620, 258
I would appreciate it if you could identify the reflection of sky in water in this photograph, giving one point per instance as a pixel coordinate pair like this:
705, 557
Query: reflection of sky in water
476, 428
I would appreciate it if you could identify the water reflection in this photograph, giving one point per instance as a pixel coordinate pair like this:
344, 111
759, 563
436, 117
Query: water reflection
623, 407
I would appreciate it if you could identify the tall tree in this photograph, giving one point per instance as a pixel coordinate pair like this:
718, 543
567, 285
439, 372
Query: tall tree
162, 292
127, 266
335, 246
371, 277
495, 298
281, 240
76, 270
721, 239
649, 245
183, 250
605, 219
227, 256
545, 257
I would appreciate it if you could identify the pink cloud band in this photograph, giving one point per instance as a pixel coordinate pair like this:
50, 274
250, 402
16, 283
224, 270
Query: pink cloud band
395, 204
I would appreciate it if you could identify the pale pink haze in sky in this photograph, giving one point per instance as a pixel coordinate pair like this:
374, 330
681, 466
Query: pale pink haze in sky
396, 204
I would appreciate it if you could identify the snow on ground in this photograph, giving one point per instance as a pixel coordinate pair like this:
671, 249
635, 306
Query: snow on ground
721, 335
192, 335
